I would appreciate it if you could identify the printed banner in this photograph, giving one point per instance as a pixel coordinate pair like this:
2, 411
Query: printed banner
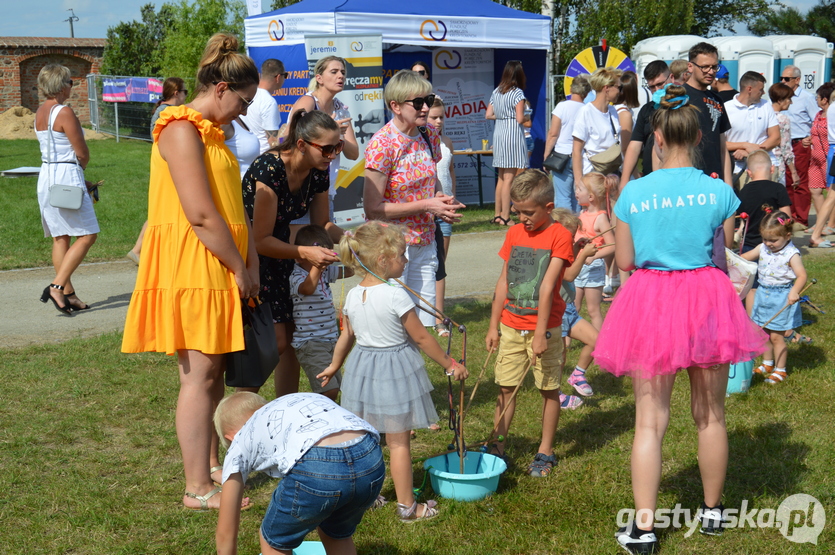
132, 89
463, 77
363, 97
253, 7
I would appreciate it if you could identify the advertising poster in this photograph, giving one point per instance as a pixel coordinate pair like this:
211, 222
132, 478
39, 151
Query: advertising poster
363, 97
131, 89
463, 77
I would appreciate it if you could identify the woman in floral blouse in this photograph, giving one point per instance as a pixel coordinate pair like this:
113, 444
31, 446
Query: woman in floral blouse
782, 156
401, 184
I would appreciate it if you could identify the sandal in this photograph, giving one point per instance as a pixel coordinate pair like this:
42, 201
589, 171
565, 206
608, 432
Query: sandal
46, 297
494, 450
795, 337
75, 305
542, 465
577, 379
204, 500
822, 245
569, 402
379, 503
441, 329
776, 377
214, 469
409, 514
764, 369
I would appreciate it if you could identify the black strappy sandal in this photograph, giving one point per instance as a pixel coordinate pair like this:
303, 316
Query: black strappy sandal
75, 306
45, 296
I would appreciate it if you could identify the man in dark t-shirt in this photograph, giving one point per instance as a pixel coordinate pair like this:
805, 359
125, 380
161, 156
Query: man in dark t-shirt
722, 84
713, 121
657, 75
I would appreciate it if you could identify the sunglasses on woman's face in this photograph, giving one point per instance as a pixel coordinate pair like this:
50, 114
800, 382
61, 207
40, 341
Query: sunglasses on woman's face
328, 150
421, 72
418, 102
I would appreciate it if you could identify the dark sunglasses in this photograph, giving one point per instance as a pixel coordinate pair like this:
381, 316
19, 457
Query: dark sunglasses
418, 102
69, 82
184, 91
328, 150
285, 75
422, 72
784, 79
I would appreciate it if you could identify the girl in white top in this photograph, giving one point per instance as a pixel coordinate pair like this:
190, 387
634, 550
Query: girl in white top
782, 276
328, 80
385, 380
597, 126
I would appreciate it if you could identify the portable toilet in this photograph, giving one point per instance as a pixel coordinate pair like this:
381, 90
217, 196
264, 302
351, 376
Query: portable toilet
741, 54
813, 55
669, 48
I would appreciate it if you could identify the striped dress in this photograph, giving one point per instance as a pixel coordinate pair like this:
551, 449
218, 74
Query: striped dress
509, 149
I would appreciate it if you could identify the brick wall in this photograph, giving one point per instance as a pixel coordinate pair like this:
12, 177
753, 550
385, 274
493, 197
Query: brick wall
21, 59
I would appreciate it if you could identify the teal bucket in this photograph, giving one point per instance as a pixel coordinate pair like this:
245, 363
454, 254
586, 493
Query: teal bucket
480, 478
739, 377
310, 548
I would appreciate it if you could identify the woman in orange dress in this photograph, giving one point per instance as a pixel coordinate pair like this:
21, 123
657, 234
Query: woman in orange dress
198, 258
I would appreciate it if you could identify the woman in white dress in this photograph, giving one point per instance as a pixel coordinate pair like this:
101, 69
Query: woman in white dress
65, 155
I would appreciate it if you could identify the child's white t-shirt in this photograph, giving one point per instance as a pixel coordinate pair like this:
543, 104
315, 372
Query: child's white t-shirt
314, 315
595, 128
375, 314
282, 431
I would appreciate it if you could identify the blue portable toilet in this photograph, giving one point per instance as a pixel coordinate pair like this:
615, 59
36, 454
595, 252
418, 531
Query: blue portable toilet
813, 55
741, 54
669, 48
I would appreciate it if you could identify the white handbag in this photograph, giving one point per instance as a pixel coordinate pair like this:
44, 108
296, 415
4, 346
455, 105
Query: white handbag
65, 196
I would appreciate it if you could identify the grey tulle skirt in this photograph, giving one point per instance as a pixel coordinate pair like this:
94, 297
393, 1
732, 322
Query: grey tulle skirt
389, 388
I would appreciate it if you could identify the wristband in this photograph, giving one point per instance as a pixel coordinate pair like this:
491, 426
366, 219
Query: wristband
451, 370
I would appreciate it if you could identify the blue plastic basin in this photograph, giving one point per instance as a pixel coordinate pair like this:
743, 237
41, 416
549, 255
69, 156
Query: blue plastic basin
480, 478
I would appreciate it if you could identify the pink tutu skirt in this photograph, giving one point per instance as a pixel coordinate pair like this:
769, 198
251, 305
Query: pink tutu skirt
664, 321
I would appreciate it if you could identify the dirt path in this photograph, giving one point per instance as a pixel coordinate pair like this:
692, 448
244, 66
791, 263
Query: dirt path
473, 268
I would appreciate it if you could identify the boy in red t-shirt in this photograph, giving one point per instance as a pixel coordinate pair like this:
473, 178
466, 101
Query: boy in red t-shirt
528, 312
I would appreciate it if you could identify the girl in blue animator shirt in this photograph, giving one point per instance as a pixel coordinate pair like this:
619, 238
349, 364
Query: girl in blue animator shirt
677, 311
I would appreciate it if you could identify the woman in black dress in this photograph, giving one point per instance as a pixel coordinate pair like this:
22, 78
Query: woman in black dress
281, 185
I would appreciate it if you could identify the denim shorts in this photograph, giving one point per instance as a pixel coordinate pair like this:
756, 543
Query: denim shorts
592, 275
329, 487
569, 318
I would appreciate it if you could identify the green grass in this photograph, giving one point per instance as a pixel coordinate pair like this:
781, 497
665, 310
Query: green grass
91, 462
124, 166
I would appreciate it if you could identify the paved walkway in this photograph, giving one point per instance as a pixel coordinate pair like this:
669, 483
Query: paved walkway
473, 269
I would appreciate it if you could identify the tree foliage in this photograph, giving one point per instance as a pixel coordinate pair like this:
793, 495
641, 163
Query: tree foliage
819, 20
169, 42
192, 26
134, 48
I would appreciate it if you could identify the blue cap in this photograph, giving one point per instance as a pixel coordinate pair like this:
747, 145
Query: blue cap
722, 72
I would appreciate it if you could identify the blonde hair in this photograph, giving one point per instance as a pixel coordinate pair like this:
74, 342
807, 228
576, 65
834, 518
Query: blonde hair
320, 68
232, 412
221, 61
371, 246
52, 79
533, 185
566, 218
604, 76
759, 161
595, 183
677, 67
405, 84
